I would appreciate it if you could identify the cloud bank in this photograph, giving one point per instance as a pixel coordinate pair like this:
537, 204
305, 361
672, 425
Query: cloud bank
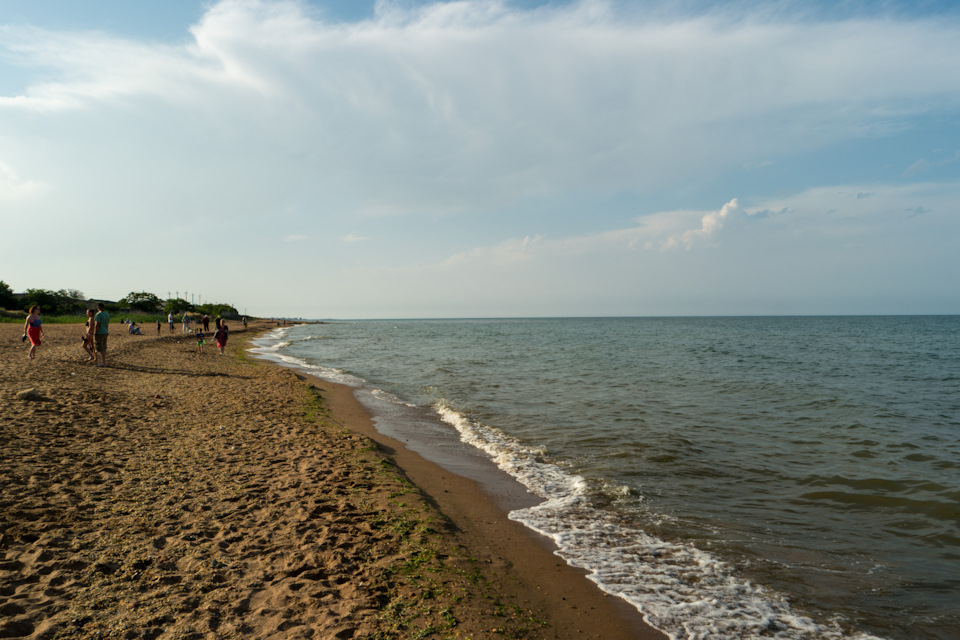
466, 136
457, 105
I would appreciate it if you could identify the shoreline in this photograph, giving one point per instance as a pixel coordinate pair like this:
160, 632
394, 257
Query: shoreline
539, 579
173, 493
536, 577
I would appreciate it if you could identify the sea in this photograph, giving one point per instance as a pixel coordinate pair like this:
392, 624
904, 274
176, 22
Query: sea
730, 477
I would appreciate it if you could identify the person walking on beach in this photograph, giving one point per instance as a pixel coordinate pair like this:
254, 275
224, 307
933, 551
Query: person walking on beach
32, 328
206, 322
186, 323
158, 326
199, 336
222, 334
101, 323
170, 320
88, 338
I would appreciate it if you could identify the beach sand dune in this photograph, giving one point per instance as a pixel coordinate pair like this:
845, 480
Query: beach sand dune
177, 495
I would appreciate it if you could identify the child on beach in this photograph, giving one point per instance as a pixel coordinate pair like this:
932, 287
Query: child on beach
199, 341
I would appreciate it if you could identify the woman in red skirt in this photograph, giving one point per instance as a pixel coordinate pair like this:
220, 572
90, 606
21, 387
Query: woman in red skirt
32, 328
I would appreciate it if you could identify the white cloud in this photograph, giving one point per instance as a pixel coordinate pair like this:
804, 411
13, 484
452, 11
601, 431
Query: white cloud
710, 223
507, 252
14, 187
485, 141
835, 211
922, 165
660, 231
429, 109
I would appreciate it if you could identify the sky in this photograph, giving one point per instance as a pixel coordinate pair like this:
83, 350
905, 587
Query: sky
415, 159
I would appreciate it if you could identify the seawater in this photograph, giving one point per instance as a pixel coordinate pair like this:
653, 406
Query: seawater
794, 477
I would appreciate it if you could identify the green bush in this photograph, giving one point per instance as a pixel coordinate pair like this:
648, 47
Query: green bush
7, 299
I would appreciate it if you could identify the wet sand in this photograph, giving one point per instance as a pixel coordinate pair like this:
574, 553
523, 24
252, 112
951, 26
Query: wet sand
177, 495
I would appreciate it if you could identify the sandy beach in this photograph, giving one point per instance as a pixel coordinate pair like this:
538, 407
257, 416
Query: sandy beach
182, 495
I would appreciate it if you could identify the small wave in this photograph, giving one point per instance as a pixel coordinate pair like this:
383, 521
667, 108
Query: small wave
389, 397
271, 352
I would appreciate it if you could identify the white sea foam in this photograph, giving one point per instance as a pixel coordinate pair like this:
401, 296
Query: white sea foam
268, 349
683, 591
380, 394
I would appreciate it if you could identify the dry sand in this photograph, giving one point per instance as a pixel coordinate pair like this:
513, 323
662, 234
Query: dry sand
177, 495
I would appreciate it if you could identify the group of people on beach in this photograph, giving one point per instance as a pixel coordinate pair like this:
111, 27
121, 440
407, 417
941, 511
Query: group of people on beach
94, 339
220, 336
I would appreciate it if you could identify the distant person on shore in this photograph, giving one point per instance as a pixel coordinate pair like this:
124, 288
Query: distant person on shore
170, 320
32, 328
101, 323
158, 326
88, 337
222, 334
206, 322
244, 322
186, 323
199, 336
134, 329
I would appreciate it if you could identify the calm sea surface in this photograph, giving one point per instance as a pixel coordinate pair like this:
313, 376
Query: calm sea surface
730, 477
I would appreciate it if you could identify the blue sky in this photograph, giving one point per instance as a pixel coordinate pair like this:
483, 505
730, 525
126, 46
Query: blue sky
477, 158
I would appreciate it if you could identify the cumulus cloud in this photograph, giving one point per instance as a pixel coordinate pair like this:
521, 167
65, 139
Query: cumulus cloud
659, 231
710, 223
353, 238
14, 187
812, 213
508, 252
506, 138
429, 108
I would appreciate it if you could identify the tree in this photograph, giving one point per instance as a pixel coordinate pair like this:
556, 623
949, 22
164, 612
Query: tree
143, 301
7, 299
47, 300
219, 309
177, 305
71, 301
62, 302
